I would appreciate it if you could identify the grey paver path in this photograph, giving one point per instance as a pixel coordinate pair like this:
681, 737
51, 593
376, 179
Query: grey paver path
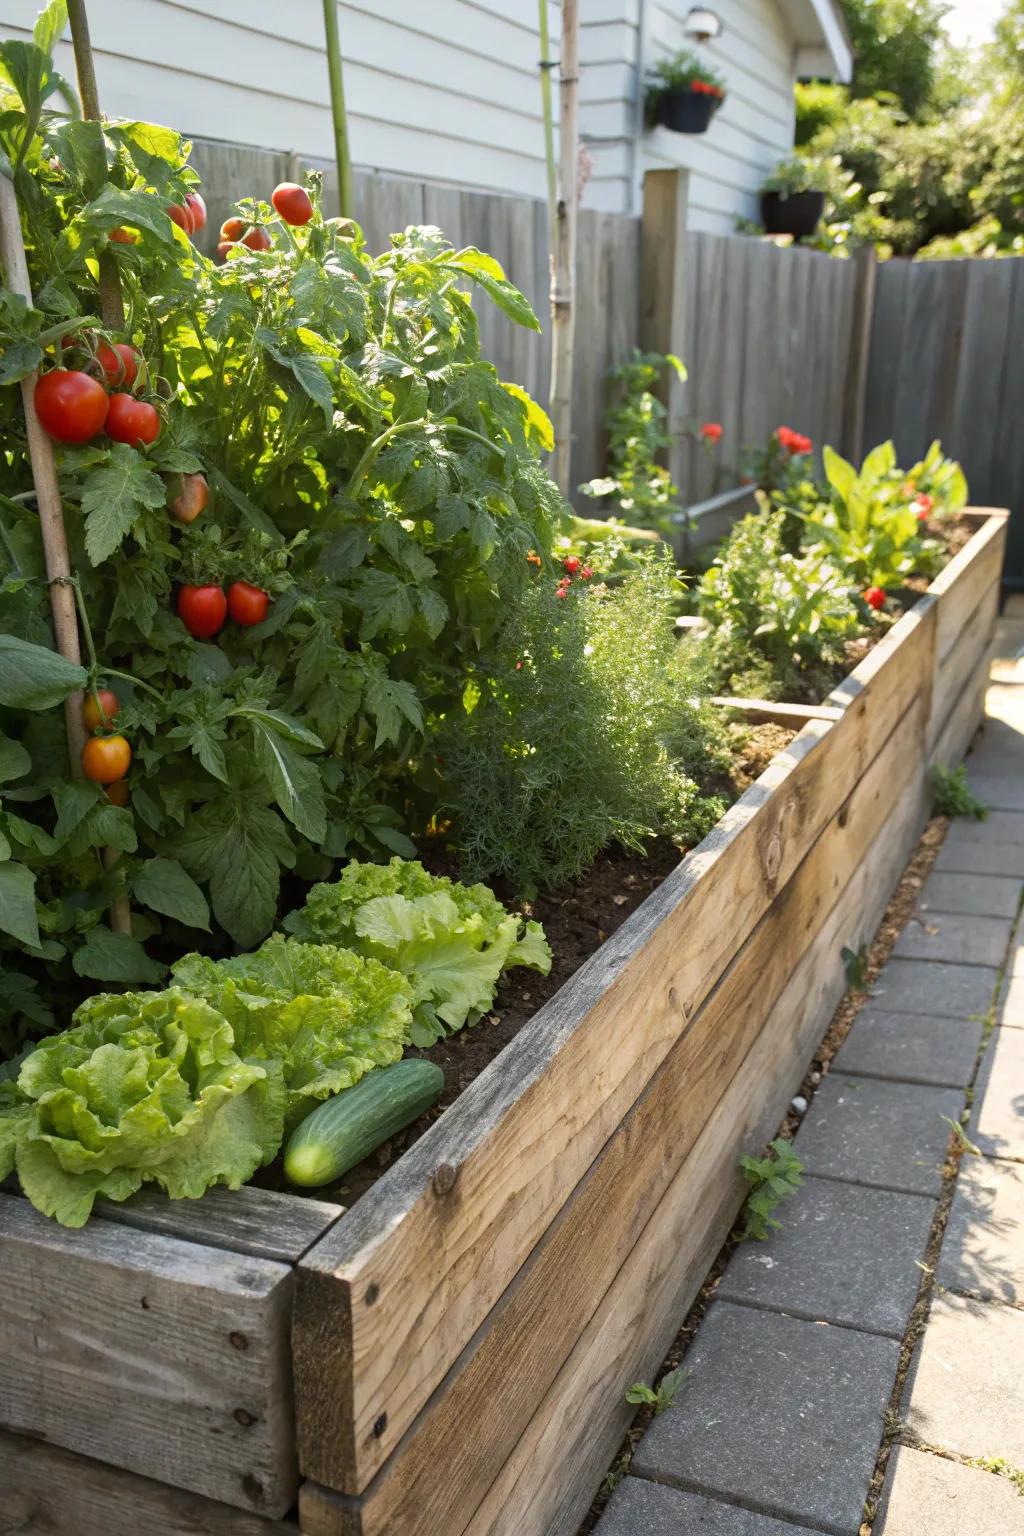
929, 1496
999, 791
980, 895
964, 1389
955, 938
872, 1132
844, 1254
933, 986
999, 827
640, 1508
997, 1118
983, 1249
778, 1413
911, 1048
962, 853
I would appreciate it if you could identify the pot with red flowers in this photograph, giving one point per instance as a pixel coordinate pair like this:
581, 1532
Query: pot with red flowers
683, 94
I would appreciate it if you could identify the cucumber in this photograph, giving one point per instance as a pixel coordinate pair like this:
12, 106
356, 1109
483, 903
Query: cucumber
345, 1129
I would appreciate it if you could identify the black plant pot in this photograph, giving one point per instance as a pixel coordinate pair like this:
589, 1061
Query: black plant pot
686, 111
796, 215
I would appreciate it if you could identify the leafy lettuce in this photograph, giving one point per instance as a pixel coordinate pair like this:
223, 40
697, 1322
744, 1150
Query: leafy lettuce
144, 1087
328, 1016
450, 941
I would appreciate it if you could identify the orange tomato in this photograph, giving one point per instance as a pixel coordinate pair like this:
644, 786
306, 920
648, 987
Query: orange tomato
105, 759
91, 713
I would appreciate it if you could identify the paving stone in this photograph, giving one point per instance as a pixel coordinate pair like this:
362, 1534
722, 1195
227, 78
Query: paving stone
964, 1388
781, 1414
927, 1495
911, 1048
999, 791
640, 1508
962, 853
930, 986
998, 827
981, 895
983, 1249
867, 1131
955, 939
997, 1117
845, 1254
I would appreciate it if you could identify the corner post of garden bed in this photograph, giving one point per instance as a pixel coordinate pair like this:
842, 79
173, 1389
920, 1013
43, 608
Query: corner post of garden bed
44, 477
663, 279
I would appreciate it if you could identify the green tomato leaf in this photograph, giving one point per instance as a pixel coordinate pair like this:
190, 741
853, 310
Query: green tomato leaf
164, 886
14, 760
489, 275
294, 780
390, 702
107, 956
34, 677
285, 725
114, 496
18, 904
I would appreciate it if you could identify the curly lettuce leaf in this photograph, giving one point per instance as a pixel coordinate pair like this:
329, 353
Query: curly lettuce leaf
452, 941
144, 1087
326, 1014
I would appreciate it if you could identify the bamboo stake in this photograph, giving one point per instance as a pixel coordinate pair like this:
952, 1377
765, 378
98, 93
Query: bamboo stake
563, 276
44, 476
111, 301
334, 69
546, 66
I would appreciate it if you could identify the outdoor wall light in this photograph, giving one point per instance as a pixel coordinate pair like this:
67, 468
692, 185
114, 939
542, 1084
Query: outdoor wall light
703, 25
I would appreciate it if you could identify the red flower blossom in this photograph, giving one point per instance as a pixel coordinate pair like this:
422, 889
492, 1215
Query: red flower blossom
586, 573
519, 666
571, 563
561, 591
711, 431
792, 442
875, 598
922, 506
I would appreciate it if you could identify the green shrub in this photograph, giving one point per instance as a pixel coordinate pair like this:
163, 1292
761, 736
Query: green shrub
951, 795
560, 747
641, 490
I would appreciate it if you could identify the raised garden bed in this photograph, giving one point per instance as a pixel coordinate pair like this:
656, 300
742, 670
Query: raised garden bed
450, 1355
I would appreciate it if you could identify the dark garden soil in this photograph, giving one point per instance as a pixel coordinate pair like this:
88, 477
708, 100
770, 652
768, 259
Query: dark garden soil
897, 913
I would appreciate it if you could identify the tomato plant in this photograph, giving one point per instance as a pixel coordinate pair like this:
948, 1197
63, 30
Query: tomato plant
132, 421
120, 363
100, 708
189, 496
247, 605
202, 610
292, 202
71, 405
105, 759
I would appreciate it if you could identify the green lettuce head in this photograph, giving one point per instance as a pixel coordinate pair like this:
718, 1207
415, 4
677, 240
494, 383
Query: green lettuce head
147, 1086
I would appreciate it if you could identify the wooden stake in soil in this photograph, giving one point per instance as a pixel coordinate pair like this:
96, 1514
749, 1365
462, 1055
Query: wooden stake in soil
334, 69
563, 275
44, 476
546, 66
111, 301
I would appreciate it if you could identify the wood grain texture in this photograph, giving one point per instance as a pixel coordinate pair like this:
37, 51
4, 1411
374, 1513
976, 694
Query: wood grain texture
433, 1266
970, 574
965, 664
160, 1356
47, 1491
260, 1222
458, 1444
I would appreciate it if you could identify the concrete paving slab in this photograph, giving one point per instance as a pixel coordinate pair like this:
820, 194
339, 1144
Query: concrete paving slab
998, 827
998, 791
983, 1249
997, 1116
963, 853
963, 1393
780, 1414
845, 1254
955, 938
931, 986
927, 1495
911, 1048
979, 895
1010, 1004
640, 1508
866, 1131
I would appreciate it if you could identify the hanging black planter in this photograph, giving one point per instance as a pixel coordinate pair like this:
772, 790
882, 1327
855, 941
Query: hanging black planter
686, 110
796, 215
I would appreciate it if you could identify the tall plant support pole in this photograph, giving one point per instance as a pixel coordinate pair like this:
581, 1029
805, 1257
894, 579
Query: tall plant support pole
546, 66
44, 476
563, 275
334, 69
111, 301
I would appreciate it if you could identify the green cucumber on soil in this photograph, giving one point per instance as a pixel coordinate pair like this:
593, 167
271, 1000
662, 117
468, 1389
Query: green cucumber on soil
345, 1129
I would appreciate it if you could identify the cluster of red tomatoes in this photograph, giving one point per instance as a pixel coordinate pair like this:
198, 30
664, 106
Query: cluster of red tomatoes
291, 202
203, 610
74, 406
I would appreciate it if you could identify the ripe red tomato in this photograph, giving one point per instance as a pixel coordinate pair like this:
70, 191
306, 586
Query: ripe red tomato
197, 208
105, 759
91, 714
181, 215
132, 421
123, 237
120, 363
202, 610
875, 598
256, 239
292, 202
70, 405
191, 493
117, 793
223, 246
247, 604
233, 229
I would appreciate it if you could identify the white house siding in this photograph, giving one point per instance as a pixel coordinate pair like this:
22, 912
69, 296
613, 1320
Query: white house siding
443, 90
753, 129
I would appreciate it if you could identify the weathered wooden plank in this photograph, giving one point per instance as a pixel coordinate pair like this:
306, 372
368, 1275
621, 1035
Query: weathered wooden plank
966, 661
961, 724
542, 1491
448, 1459
979, 380
260, 1222
365, 1368
161, 1356
47, 1491
782, 714
962, 583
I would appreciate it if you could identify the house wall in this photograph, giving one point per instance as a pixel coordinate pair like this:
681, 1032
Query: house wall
750, 133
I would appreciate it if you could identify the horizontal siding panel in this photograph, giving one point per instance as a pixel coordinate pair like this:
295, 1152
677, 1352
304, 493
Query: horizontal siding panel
606, 43
751, 28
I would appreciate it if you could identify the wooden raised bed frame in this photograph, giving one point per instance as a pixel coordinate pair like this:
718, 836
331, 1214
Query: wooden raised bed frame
450, 1359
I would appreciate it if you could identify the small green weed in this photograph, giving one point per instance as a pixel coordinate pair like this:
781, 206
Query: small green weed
1001, 1467
951, 795
660, 1397
966, 1144
855, 963
771, 1180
